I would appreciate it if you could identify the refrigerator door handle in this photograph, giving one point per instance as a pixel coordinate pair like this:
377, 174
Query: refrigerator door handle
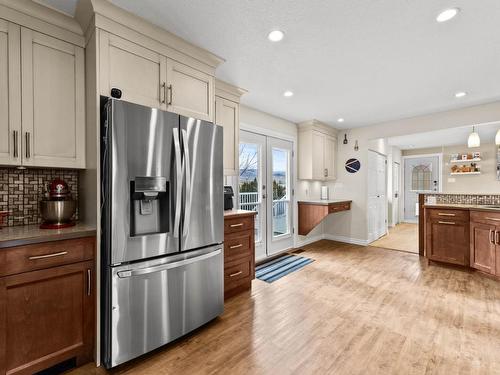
163, 267
178, 191
187, 163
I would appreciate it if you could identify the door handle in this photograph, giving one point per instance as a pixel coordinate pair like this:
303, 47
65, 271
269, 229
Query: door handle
163, 92
187, 163
171, 94
178, 193
27, 139
497, 240
168, 266
16, 146
89, 282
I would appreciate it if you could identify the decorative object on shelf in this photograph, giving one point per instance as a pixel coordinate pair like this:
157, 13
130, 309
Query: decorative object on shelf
356, 147
473, 140
352, 165
345, 141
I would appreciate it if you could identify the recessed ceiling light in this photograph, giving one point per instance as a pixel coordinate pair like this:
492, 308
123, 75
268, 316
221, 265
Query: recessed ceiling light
340, 120
460, 94
447, 14
288, 94
275, 35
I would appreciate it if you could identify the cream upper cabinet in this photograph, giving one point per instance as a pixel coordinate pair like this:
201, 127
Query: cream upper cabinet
317, 150
227, 115
190, 92
53, 101
137, 71
10, 93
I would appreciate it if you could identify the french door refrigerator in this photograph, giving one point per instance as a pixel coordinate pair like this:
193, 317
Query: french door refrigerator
161, 227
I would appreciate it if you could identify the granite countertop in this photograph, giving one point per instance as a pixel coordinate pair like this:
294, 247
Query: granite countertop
235, 212
30, 234
475, 207
323, 202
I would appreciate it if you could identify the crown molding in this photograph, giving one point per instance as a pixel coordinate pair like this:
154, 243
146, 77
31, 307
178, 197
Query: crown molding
228, 91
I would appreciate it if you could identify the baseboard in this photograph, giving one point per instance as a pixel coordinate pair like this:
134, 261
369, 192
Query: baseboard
309, 240
354, 241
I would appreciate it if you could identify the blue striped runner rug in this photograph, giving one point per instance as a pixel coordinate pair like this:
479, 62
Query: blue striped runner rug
282, 266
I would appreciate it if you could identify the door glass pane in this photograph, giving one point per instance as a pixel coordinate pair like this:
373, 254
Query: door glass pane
250, 183
281, 193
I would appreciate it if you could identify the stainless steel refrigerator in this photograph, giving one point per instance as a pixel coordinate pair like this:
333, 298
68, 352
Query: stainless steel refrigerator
161, 227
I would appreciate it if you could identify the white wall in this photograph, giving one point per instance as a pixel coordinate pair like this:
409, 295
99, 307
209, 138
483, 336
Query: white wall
486, 182
353, 224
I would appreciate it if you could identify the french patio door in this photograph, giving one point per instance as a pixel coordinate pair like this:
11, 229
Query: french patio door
265, 186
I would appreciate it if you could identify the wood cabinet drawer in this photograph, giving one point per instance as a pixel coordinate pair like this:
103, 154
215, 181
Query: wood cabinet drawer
238, 245
447, 214
238, 224
339, 207
485, 217
45, 255
237, 273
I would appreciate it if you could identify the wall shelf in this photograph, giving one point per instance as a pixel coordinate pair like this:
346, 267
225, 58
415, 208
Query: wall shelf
466, 161
462, 173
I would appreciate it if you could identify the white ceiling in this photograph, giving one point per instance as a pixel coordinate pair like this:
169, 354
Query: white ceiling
445, 137
365, 61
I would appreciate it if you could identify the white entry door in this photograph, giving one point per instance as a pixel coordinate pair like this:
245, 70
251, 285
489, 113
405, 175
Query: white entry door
421, 175
377, 196
265, 186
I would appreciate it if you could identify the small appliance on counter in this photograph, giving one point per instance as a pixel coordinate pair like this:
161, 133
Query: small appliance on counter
57, 207
228, 197
324, 193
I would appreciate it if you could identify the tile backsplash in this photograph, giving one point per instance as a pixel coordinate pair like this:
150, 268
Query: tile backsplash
22, 189
465, 198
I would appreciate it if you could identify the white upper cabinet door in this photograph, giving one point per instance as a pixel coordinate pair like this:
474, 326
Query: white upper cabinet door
53, 101
227, 115
190, 92
10, 93
137, 71
318, 156
330, 147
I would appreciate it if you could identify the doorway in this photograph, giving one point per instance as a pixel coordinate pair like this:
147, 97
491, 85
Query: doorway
422, 174
265, 186
377, 195
396, 178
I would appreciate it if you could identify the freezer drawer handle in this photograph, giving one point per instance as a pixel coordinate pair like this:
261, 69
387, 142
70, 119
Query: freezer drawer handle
168, 266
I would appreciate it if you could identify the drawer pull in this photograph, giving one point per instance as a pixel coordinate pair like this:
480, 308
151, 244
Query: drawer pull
496, 238
236, 246
236, 274
447, 222
236, 225
35, 257
492, 218
445, 214
89, 282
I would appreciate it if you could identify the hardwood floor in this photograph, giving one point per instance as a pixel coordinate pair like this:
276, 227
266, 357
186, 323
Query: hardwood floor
355, 310
403, 237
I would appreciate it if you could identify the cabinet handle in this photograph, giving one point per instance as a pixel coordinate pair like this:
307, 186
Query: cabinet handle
447, 222
236, 274
236, 246
236, 225
35, 257
492, 236
171, 96
89, 282
445, 214
16, 148
325, 172
28, 151
497, 240
163, 92
492, 218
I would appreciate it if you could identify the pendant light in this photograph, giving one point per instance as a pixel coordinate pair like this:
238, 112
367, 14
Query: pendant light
473, 140
497, 138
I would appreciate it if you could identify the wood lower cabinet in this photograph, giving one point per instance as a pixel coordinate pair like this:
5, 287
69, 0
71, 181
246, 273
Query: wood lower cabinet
447, 236
239, 251
47, 315
485, 241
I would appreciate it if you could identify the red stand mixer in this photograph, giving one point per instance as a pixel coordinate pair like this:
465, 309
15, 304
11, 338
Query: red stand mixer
58, 207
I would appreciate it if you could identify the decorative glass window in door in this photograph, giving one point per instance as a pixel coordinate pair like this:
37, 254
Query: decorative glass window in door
421, 177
